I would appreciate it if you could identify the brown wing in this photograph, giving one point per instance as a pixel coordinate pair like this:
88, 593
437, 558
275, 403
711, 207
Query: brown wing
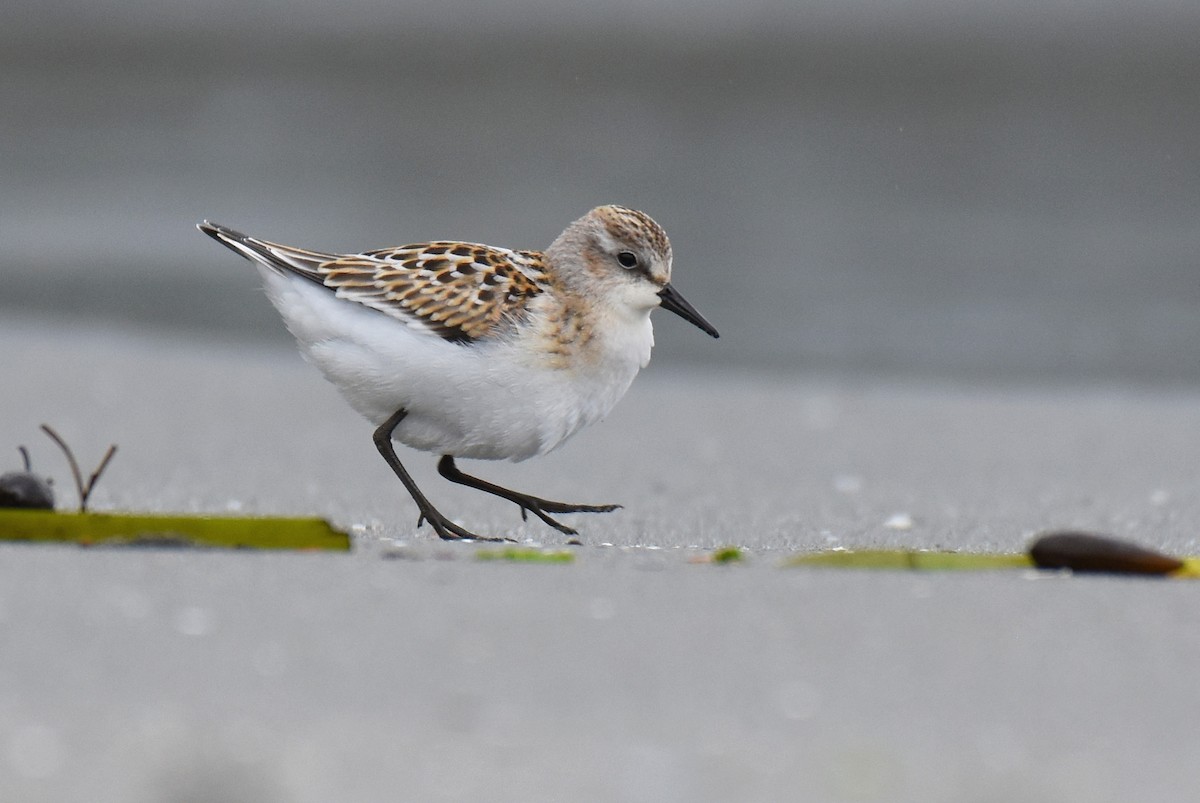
461, 291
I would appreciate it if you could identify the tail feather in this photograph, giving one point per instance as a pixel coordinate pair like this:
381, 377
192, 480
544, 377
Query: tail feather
277, 257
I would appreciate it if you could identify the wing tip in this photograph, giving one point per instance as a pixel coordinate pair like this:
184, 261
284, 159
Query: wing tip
221, 233
264, 253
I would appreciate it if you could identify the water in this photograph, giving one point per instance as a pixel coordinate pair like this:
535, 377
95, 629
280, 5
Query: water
997, 191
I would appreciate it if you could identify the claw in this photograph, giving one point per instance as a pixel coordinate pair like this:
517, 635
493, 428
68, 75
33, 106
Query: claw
558, 525
542, 508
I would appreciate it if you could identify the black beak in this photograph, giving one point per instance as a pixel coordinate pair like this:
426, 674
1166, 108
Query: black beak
678, 304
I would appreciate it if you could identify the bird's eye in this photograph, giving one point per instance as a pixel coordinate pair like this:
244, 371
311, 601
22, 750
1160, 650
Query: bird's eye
628, 259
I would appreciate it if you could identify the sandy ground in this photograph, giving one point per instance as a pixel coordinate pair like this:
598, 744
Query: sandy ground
632, 673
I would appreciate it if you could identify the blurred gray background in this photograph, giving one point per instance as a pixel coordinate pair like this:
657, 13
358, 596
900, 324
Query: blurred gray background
997, 190
988, 189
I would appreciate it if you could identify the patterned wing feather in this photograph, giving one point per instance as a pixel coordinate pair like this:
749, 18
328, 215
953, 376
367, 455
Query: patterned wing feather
460, 291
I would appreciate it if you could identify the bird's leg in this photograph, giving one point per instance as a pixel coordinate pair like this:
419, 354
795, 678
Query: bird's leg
539, 507
445, 528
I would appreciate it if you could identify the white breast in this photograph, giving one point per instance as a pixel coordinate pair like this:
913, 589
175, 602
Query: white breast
487, 400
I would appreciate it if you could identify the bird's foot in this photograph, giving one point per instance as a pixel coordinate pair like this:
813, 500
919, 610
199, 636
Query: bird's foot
542, 508
449, 531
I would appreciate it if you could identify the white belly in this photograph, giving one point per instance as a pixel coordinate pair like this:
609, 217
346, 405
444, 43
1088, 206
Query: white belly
489, 401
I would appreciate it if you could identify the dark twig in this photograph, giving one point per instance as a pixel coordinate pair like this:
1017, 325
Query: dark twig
25, 456
91, 484
70, 460
84, 490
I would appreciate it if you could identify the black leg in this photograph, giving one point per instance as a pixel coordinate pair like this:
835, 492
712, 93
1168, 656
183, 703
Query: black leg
539, 507
445, 528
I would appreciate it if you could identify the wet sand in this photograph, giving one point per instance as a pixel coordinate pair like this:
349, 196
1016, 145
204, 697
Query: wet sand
631, 673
